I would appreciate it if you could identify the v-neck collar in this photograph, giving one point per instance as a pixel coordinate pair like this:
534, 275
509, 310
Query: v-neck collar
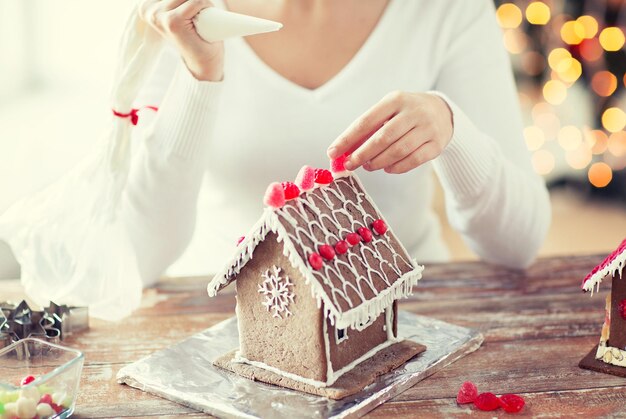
373, 38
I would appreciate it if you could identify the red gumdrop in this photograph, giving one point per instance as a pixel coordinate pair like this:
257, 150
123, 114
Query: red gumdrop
57, 408
379, 226
365, 234
306, 178
467, 393
512, 403
337, 165
323, 176
27, 380
487, 402
326, 251
341, 247
274, 195
240, 239
46, 398
291, 190
316, 261
353, 239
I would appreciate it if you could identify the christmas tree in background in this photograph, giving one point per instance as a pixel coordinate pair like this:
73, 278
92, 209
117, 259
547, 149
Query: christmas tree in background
570, 64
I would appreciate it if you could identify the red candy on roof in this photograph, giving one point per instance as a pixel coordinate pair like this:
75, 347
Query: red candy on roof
326, 251
365, 234
306, 178
291, 190
274, 195
316, 261
323, 176
338, 165
353, 239
341, 247
379, 226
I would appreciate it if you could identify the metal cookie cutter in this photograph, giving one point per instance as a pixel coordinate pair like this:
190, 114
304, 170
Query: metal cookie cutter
53, 324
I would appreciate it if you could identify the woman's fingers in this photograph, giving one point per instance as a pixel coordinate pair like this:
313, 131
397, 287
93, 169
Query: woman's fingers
385, 137
400, 149
364, 126
423, 154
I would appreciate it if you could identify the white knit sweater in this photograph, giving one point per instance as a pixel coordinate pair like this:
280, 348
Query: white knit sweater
202, 163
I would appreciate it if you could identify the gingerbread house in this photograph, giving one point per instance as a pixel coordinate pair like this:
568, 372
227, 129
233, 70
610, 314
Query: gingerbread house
317, 280
610, 354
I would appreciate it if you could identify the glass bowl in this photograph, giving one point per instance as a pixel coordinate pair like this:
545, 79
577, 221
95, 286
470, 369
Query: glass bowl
52, 393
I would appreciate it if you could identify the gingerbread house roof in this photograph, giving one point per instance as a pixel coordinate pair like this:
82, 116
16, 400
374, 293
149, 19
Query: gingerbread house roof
614, 263
354, 286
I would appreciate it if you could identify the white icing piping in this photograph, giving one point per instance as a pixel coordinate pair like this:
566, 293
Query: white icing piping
332, 376
241, 360
617, 265
611, 355
389, 323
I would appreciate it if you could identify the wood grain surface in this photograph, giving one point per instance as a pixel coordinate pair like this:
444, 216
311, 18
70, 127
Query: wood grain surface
537, 326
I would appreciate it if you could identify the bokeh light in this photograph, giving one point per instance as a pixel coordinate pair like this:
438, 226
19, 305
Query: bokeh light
515, 41
572, 32
600, 174
543, 162
604, 83
554, 92
614, 119
572, 72
612, 38
570, 137
617, 144
533, 63
534, 137
597, 140
580, 158
591, 50
509, 15
558, 59
538, 13
590, 26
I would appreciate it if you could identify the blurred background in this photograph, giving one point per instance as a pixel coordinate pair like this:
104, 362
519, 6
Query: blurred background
568, 56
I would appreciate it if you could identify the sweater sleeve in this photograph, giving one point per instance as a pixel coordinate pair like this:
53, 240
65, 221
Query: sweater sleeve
493, 197
168, 164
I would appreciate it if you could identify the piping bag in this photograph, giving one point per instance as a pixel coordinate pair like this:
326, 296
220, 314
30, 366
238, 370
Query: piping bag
69, 238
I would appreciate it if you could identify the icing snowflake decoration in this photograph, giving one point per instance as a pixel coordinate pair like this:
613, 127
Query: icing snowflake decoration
277, 292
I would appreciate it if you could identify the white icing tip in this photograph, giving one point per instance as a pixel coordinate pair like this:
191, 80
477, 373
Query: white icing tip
214, 24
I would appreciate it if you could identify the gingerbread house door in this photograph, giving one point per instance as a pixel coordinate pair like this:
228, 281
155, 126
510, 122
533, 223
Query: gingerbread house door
617, 330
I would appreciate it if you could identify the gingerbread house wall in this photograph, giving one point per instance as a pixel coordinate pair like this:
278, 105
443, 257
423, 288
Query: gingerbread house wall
358, 343
617, 327
292, 343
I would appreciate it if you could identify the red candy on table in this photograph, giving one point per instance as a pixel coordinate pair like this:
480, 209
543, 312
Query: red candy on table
323, 176
316, 261
291, 190
365, 234
467, 393
27, 380
341, 247
353, 239
487, 402
512, 403
379, 226
326, 251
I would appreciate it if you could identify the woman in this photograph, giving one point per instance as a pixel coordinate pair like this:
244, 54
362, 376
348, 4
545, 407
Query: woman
240, 114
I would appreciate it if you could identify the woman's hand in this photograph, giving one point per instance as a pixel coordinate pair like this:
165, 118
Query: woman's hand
173, 19
401, 132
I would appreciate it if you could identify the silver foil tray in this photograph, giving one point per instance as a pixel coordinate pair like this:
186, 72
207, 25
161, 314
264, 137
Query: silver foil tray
184, 373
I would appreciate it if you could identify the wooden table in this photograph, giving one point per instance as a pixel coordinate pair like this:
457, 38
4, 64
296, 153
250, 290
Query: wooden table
537, 326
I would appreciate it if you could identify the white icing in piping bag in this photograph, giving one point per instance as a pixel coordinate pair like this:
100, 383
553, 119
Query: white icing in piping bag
213, 24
